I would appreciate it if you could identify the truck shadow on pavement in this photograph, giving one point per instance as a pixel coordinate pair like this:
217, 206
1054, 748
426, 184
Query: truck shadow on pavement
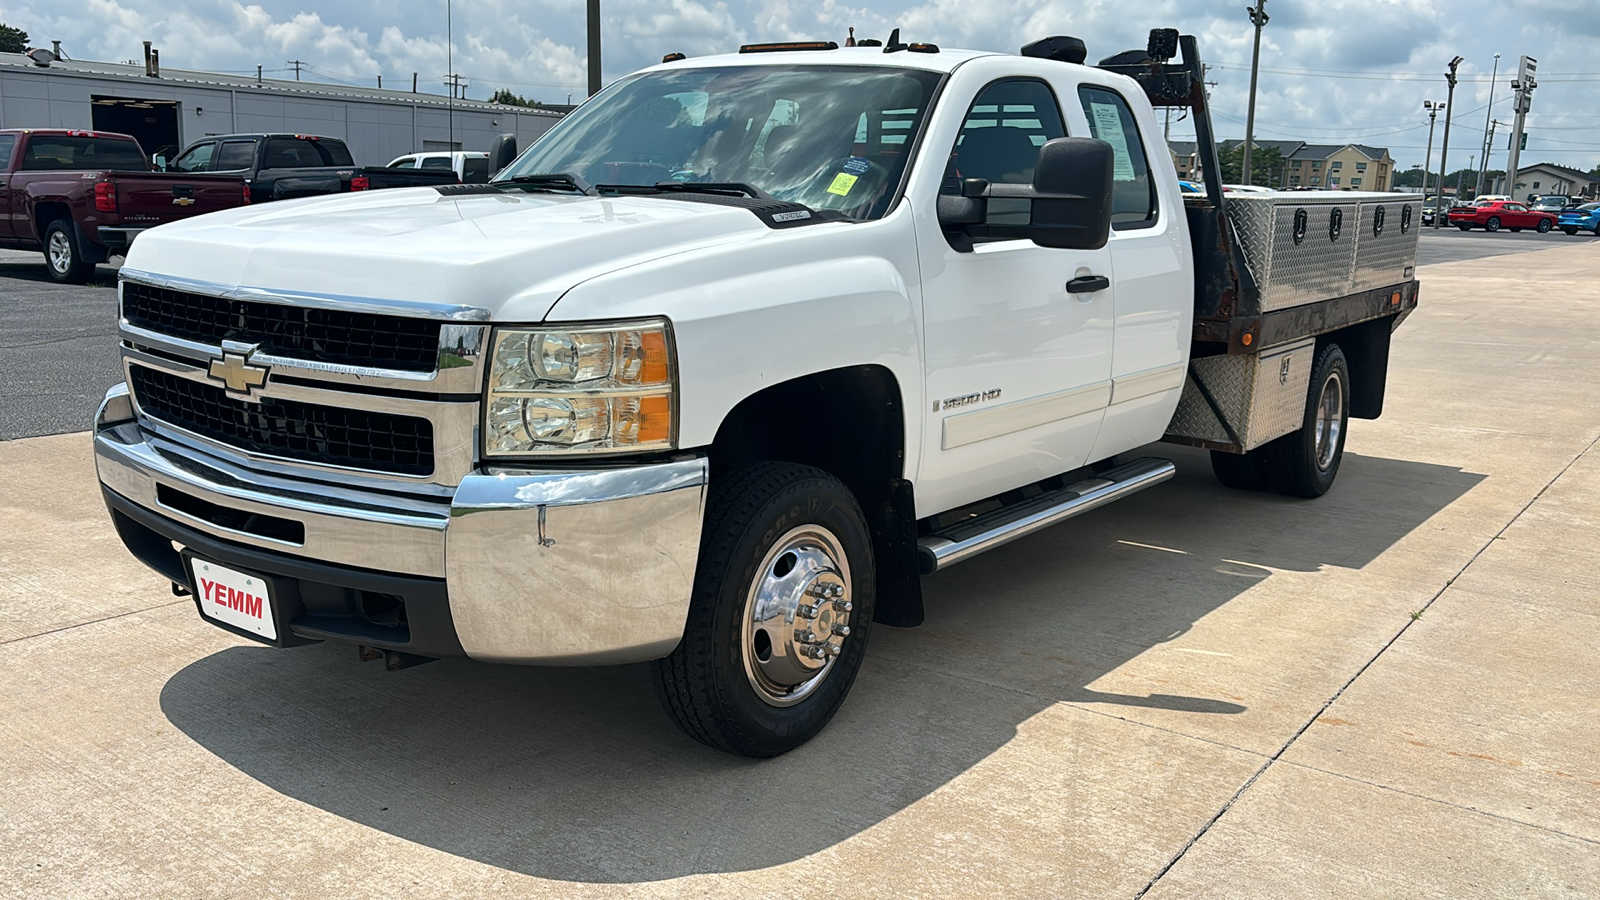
578, 775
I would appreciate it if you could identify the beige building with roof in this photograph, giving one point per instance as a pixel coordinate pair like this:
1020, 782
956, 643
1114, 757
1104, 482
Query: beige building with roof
1328, 167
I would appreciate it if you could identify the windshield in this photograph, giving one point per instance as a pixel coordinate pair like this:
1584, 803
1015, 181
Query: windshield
830, 137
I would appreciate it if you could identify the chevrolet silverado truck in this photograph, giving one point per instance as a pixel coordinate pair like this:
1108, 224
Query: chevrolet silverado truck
288, 166
720, 367
81, 197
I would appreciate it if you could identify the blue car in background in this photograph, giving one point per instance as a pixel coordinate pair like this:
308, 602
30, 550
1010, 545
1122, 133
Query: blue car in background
1583, 218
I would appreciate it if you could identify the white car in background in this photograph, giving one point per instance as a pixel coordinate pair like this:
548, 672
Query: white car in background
470, 167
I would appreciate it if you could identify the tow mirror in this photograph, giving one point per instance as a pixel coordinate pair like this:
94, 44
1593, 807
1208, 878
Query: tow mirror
1072, 200
1069, 200
502, 152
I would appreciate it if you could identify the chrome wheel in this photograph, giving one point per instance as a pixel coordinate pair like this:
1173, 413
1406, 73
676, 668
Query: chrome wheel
1330, 420
59, 251
797, 615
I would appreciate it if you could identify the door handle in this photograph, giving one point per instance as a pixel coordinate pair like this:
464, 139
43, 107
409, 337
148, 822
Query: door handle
1088, 284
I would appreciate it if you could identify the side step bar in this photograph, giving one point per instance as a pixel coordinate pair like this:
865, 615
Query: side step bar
943, 549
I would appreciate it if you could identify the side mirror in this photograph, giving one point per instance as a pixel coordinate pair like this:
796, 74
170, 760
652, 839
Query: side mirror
502, 152
1069, 200
1072, 194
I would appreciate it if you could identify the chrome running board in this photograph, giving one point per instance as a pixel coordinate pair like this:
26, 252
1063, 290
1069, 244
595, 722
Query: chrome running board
963, 540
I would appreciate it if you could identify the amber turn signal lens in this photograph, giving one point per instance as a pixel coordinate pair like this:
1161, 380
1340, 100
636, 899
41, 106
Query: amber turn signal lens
655, 419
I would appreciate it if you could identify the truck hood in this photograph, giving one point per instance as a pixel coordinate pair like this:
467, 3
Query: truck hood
513, 254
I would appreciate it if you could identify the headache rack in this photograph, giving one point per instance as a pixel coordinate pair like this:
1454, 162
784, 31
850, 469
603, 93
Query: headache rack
1276, 274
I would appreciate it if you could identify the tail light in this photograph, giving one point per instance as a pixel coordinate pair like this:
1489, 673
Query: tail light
360, 183
245, 193
105, 196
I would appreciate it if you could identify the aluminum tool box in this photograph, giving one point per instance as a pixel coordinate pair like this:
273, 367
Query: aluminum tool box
1308, 246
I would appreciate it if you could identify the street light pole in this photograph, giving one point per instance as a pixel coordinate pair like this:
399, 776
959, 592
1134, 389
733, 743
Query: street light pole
594, 47
1488, 130
1427, 161
1258, 18
1444, 148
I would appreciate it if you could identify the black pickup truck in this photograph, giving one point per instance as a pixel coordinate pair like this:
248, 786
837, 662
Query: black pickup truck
285, 166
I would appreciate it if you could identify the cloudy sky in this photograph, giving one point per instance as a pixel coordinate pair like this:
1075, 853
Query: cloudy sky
1332, 70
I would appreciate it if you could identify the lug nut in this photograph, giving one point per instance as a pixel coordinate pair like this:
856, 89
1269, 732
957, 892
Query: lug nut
841, 630
835, 590
806, 637
833, 649
816, 652
843, 605
807, 611
819, 589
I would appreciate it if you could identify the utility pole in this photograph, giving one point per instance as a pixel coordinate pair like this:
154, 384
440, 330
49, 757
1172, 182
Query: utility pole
594, 47
1427, 161
1471, 158
1523, 89
293, 62
1488, 127
450, 69
1258, 18
1488, 149
1444, 149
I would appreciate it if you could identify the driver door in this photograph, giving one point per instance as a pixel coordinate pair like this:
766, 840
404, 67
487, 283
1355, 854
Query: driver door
1017, 359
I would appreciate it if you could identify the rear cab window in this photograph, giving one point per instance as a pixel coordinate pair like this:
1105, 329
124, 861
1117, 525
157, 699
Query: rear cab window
8, 142
436, 162
48, 152
1133, 190
305, 153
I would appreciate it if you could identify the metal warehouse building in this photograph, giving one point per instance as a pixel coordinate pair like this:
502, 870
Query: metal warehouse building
171, 108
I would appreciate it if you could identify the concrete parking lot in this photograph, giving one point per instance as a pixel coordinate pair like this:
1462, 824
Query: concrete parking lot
1388, 692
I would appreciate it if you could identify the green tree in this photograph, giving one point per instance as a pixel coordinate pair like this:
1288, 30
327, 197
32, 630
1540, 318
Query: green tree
13, 40
1266, 165
506, 97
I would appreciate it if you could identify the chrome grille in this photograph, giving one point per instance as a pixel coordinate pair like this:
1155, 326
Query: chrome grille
304, 432
335, 336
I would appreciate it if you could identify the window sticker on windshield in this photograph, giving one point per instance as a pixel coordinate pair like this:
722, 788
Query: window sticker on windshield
1108, 128
842, 183
855, 165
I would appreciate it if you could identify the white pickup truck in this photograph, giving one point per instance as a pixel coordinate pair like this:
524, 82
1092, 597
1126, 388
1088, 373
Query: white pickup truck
724, 363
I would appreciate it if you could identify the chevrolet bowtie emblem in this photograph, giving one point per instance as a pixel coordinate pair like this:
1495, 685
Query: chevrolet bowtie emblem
235, 371
182, 201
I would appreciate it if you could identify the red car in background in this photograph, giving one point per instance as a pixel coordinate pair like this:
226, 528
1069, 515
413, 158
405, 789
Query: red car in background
1493, 215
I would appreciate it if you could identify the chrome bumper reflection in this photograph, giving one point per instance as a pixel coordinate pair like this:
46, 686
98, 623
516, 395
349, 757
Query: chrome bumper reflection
542, 567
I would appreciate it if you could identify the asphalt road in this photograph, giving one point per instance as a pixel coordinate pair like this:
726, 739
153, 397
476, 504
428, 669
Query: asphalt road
58, 343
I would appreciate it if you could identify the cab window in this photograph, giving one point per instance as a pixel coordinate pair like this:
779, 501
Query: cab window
1133, 191
234, 156
436, 162
196, 158
999, 141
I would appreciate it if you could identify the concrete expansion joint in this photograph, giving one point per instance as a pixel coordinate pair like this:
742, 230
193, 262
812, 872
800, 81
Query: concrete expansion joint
75, 625
1411, 620
1472, 809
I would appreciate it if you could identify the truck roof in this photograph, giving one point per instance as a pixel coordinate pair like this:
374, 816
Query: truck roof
69, 132
942, 61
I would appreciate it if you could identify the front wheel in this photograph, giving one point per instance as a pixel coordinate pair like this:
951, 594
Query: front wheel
1305, 462
780, 612
1544, 226
1493, 224
63, 254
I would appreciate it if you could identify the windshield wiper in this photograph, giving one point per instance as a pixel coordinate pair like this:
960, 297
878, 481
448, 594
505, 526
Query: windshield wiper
553, 181
729, 188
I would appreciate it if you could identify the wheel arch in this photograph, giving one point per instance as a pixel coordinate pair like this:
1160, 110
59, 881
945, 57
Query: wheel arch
850, 422
46, 212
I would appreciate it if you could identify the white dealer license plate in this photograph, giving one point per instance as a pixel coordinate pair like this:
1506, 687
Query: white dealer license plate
236, 598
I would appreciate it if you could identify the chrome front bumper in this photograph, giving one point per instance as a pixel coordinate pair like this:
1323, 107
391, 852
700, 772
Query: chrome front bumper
548, 567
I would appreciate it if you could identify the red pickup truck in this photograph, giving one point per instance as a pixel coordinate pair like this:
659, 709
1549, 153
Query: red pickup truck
81, 197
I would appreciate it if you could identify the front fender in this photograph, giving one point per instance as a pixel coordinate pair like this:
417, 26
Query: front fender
751, 315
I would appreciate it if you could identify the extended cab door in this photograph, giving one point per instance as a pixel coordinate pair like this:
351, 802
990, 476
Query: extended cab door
1017, 352
1150, 252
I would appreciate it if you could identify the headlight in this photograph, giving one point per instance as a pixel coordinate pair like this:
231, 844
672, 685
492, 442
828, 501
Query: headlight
591, 388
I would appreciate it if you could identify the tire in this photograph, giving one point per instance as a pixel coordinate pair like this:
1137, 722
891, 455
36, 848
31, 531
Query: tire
796, 536
1570, 229
63, 254
1493, 224
1305, 463
1597, 229
1544, 226
1239, 471
1464, 227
